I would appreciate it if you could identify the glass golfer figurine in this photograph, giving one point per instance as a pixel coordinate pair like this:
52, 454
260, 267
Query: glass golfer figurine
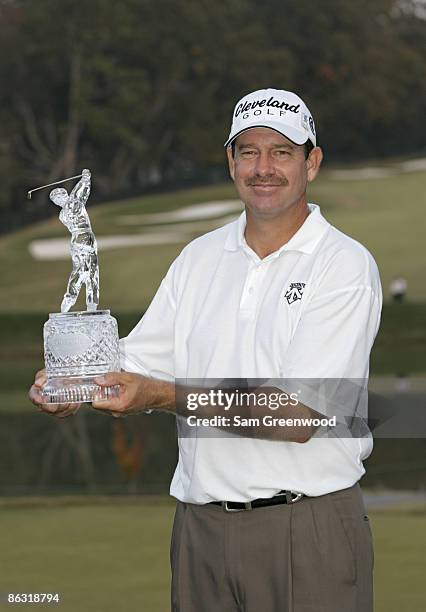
80, 345
84, 252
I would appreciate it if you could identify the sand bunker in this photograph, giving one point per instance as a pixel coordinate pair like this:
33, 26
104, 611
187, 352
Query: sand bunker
174, 227
208, 210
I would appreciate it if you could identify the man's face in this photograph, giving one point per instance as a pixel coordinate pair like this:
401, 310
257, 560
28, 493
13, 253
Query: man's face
270, 172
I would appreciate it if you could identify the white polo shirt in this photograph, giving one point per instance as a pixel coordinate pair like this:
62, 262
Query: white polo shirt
309, 310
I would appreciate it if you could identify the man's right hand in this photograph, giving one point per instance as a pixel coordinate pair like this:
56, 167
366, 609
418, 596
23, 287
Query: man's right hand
59, 410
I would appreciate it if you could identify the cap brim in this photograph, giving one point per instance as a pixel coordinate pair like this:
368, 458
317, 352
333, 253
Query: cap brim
298, 137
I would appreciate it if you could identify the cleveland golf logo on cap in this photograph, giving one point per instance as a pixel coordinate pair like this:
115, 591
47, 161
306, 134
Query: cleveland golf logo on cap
279, 110
272, 102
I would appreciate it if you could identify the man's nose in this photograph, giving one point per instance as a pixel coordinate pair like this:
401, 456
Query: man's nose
264, 164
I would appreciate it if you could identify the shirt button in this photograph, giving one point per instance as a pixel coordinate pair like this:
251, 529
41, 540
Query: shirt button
250, 290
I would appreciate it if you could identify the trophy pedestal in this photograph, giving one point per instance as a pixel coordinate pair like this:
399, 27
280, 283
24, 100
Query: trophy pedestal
66, 390
78, 347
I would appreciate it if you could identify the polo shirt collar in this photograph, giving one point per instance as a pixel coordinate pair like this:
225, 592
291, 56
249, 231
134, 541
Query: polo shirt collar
304, 240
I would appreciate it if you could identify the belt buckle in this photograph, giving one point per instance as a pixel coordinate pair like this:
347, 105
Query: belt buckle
226, 508
292, 500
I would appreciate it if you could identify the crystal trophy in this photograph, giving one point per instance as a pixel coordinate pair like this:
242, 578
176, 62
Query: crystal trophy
80, 345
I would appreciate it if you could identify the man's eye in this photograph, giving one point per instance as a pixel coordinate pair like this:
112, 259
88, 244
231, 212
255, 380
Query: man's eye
248, 153
282, 152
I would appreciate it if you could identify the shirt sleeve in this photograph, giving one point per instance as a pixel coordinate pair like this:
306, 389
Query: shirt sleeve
335, 335
149, 348
327, 363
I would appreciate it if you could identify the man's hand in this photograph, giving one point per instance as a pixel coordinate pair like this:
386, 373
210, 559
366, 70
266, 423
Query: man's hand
59, 410
137, 393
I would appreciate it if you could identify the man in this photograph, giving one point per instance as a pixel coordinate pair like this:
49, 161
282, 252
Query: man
266, 520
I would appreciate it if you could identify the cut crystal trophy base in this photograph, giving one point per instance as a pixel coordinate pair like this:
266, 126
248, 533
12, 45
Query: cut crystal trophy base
78, 347
79, 389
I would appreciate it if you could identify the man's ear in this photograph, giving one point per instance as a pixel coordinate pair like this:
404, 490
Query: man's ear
231, 161
313, 163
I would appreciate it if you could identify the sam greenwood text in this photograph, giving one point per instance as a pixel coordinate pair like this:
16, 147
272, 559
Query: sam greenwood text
266, 421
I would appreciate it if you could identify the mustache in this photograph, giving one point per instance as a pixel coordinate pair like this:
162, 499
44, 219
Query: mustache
273, 179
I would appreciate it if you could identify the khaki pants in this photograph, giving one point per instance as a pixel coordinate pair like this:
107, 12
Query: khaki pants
312, 556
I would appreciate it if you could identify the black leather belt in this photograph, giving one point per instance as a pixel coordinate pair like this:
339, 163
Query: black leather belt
283, 497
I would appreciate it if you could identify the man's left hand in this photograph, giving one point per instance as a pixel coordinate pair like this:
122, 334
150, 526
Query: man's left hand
136, 394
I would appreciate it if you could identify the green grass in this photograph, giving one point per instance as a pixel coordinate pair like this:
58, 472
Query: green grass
98, 558
384, 214
400, 346
400, 542
114, 556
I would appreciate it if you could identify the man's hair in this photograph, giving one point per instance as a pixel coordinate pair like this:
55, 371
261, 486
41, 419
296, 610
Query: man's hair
308, 148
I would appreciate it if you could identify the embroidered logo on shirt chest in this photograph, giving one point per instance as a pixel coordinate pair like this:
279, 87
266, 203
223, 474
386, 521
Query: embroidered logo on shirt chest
294, 292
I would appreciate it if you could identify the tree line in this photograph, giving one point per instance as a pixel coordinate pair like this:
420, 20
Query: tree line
142, 91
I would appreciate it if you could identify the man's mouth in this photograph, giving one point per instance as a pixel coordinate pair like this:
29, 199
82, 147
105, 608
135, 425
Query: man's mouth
261, 184
265, 187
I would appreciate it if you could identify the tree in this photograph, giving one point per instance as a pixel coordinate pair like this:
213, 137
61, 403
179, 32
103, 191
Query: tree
142, 91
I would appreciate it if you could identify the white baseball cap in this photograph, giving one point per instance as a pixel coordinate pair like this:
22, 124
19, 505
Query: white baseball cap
279, 110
